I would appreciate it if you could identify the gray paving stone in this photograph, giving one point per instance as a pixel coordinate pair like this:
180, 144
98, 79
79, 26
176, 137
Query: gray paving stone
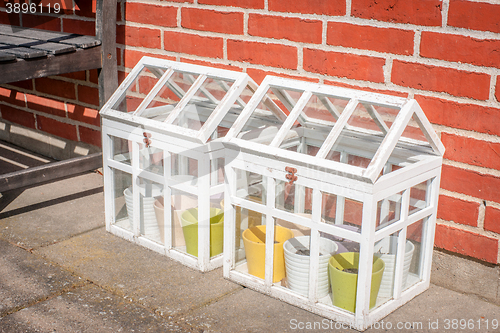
49, 213
26, 278
250, 311
137, 273
88, 309
436, 310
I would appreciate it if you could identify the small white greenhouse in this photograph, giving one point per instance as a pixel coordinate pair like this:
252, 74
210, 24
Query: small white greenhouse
331, 199
163, 158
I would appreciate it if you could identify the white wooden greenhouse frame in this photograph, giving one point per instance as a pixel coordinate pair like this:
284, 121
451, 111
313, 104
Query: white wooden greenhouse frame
161, 139
397, 187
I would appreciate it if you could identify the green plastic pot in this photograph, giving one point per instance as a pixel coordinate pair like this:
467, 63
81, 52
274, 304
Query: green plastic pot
189, 219
344, 284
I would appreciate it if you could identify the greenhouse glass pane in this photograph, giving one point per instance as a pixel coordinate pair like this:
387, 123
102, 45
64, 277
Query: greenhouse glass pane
138, 89
268, 117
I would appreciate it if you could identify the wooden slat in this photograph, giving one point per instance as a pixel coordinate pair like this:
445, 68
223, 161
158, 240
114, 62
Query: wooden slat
4, 56
22, 52
25, 37
54, 48
52, 65
51, 171
49, 47
17, 41
84, 42
37, 34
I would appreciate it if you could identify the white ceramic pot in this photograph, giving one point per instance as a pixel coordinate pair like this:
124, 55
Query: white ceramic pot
385, 249
149, 225
297, 265
129, 204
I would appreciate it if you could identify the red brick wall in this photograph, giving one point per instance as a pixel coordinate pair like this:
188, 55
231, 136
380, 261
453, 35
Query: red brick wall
443, 53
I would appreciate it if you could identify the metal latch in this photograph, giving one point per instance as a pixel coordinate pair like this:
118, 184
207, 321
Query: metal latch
146, 139
291, 175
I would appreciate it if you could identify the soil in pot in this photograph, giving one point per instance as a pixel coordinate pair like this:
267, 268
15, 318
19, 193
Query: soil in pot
349, 270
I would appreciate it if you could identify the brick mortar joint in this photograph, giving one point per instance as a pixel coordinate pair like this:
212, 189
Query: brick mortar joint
364, 84
481, 170
480, 216
457, 99
65, 120
63, 100
465, 197
444, 11
469, 228
414, 58
340, 18
373, 85
444, 63
490, 138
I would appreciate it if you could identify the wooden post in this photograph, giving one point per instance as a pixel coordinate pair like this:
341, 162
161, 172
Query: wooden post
106, 32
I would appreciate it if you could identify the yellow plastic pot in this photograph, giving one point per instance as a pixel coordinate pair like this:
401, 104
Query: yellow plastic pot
254, 240
189, 219
344, 284
252, 218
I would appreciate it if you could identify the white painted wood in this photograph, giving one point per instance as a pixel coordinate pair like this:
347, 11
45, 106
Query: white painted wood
122, 233
427, 130
417, 163
330, 107
381, 192
365, 266
135, 190
391, 139
331, 183
294, 157
400, 254
314, 264
203, 213
401, 246
337, 129
339, 208
109, 209
170, 140
149, 244
119, 93
394, 227
376, 118
292, 117
284, 98
158, 86
384, 209
270, 232
432, 197
271, 163
167, 193
223, 107
185, 100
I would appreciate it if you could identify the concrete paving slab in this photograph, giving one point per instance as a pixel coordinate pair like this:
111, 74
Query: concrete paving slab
250, 311
88, 309
466, 275
442, 310
126, 287
26, 278
149, 278
436, 310
53, 212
